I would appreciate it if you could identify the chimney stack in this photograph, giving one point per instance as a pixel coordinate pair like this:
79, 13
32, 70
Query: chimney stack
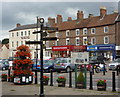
59, 19
18, 25
51, 21
80, 15
69, 19
90, 15
103, 11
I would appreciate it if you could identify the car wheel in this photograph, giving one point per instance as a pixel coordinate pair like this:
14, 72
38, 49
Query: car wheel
68, 69
97, 70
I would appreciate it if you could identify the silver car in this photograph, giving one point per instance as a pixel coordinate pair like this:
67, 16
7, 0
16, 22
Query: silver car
63, 64
114, 64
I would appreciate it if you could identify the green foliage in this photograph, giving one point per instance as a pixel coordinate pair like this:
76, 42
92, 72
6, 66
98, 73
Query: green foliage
80, 77
101, 82
5, 41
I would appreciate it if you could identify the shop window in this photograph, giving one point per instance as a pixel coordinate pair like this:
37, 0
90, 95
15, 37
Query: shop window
67, 41
85, 41
93, 30
106, 40
84, 31
67, 33
77, 32
77, 41
105, 29
93, 41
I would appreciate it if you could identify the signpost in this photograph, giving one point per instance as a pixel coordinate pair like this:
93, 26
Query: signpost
41, 50
80, 58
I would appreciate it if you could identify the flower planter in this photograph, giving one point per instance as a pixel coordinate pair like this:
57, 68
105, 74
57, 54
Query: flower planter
61, 83
45, 82
80, 85
4, 79
23, 79
101, 87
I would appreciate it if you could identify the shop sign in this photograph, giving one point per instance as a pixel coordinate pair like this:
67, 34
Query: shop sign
92, 48
60, 48
79, 47
111, 47
80, 58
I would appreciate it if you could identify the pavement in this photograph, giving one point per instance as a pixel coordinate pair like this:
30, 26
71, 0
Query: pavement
9, 88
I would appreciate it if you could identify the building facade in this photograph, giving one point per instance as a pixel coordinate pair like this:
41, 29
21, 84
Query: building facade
99, 33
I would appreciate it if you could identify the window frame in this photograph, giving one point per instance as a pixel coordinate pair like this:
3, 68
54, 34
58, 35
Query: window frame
67, 40
105, 39
105, 29
86, 41
76, 32
92, 41
84, 31
76, 42
67, 31
92, 30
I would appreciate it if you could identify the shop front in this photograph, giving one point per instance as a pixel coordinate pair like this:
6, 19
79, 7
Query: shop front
107, 50
65, 51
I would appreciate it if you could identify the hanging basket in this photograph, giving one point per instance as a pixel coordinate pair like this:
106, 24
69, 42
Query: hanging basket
23, 79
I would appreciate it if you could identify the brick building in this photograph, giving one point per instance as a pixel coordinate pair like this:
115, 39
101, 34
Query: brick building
100, 34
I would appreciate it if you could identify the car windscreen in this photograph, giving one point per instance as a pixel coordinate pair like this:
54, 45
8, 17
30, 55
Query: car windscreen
48, 62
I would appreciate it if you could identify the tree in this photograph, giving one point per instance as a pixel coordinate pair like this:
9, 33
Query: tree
5, 41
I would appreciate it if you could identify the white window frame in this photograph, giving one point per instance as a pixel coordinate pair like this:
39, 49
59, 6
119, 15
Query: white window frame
84, 29
105, 40
67, 40
77, 31
56, 42
17, 34
12, 35
92, 41
67, 31
92, 30
77, 42
86, 41
106, 27
57, 34
22, 33
29, 32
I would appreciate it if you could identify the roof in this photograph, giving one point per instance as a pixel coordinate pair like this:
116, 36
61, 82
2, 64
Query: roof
118, 20
6, 45
87, 22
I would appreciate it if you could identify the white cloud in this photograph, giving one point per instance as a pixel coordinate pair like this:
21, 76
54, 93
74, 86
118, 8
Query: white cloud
4, 34
72, 11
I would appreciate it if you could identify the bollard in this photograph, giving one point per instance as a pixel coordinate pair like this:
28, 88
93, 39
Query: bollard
93, 69
113, 82
117, 70
36, 77
9, 74
91, 83
70, 79
104, 70
51, 77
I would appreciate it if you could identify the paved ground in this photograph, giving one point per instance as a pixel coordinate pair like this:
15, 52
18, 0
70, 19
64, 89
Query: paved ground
11, 89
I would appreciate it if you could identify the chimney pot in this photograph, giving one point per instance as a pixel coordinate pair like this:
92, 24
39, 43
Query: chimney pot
59, 19
18, 25
51, 21
69, 19
103, 11
80, 15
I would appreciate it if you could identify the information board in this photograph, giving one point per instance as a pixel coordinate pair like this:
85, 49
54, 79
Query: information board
80, 58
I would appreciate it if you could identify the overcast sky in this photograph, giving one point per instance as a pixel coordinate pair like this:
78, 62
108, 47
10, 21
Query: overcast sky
13, 12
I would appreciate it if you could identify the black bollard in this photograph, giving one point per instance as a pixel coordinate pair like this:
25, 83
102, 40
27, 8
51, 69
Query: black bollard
93, 69
51, 77
70, 79
91, 83
117, 70
9, 74
36, 77
104, 70
113, 82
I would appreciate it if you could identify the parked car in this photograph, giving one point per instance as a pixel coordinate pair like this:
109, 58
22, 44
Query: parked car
114, 64
47, 65
63, 64
4, 65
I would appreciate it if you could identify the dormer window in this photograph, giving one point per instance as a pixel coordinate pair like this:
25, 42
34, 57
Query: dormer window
67, 33
77, 32
84, 31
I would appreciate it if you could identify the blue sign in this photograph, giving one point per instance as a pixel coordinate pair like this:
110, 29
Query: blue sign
106, 47
92, 48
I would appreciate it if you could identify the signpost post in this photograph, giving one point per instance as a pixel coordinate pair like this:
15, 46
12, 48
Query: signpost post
41, 20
